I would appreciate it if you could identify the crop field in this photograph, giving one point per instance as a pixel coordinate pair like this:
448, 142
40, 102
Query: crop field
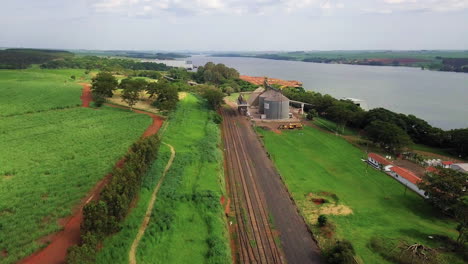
361, 202
187, 223
52, 153
34, 90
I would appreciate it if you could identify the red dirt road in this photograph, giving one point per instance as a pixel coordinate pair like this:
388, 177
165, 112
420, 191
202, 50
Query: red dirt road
56, 251
86, 96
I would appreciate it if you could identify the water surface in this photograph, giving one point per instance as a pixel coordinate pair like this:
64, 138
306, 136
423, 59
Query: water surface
441, 98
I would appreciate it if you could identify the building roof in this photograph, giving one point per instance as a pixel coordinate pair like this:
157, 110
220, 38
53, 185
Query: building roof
432, 169
379, 159
411, 177
463, 166
447, 162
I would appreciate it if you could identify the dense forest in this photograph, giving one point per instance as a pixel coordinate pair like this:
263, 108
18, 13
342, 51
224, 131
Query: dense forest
23, 58
100, 63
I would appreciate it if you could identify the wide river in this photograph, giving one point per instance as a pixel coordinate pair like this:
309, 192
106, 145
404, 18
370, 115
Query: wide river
441, 98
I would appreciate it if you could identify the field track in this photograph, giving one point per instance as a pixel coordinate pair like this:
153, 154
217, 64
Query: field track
261, 204
144, 224
56, 251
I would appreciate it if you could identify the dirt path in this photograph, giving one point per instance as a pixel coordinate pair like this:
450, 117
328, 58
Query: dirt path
56, 251
144, 224
86, 96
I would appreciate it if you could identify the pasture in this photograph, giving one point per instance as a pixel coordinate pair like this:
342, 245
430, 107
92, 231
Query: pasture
49, 161
187, 224
34, 90
362, 203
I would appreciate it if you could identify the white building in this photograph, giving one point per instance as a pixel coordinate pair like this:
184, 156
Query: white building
462, 167
407, 178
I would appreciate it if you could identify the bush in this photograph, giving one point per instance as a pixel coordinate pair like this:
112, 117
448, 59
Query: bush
322, 220
216, 118
98, 99
341, 253
311, 114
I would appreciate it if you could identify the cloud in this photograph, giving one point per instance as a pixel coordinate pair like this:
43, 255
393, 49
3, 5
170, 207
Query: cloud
428, 5
197, 7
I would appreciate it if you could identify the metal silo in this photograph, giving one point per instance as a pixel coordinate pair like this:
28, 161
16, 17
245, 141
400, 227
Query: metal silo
261, 100
276, 106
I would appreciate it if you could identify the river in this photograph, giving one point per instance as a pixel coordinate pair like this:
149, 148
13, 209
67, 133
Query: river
441, 98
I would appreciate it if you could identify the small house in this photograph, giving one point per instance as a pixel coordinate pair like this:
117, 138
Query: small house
446, 164
378, 161
407, 178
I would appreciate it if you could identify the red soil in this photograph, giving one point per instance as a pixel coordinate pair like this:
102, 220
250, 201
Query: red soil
86, 96
56, 251
260, 80
318, 201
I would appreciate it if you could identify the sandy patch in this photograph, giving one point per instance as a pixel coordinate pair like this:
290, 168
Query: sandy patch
322, 204
182, 95
142, 104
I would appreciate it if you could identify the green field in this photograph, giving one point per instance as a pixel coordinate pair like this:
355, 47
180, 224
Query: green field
33, 90
187, 225
52, 153
323, 164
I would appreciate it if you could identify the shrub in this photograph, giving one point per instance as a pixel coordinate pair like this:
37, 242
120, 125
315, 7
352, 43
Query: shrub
215, 117
98, 99
322, 220
311, 114
341, 253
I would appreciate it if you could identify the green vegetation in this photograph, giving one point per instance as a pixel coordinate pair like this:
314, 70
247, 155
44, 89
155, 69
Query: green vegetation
367, 203
345, 113
103, 217
188, 225
23, 58
50, 161
35, 90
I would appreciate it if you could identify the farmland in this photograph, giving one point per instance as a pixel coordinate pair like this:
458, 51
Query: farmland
33, 90
362, 202
188, 226
52, 153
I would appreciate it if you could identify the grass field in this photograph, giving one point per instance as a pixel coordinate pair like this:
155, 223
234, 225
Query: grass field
50, 160
333, 127
187, 225
33, 90
367, 204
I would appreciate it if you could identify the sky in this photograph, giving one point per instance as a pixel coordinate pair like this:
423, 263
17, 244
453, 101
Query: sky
235, 25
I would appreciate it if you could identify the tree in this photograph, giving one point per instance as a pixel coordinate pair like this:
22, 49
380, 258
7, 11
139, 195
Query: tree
341, 253
228, 90
104, 84
388, 135
131, 89
213, 95
341, 113
154, 88
311, 114
461, 215
445, 188
168, 97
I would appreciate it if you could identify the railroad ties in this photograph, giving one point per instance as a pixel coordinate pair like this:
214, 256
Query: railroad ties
255, 241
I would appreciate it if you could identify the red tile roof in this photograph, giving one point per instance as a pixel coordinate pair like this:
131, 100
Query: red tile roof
411, 177
447, 162
379, 159
431, 169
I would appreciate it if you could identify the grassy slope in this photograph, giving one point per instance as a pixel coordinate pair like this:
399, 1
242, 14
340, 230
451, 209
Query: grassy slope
185, 240
313, 161
32, 90
52, 160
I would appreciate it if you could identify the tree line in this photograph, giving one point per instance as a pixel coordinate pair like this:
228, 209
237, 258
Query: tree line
103, 217
23, 58
101, 63
392, 130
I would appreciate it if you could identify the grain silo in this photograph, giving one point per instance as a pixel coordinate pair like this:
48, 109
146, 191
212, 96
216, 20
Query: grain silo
261, 99
276, 105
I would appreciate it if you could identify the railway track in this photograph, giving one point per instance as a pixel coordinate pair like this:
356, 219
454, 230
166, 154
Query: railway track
255, 237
